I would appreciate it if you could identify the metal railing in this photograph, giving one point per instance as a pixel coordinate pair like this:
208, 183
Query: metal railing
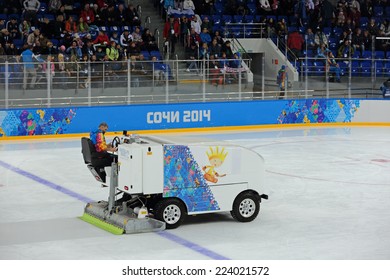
121, 82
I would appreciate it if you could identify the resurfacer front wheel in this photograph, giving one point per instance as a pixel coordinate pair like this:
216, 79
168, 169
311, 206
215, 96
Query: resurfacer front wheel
171, 211
246, 207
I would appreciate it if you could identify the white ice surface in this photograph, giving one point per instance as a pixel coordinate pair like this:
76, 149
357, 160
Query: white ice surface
329, 198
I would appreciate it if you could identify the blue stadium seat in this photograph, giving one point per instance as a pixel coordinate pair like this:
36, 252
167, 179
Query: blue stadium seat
386, 69
379, 54
114, 29
387, 11
218, 7
273, 17
332, 42
367, 54
379, 68
3, 17
227, 19
146, 55
238, 18
327, 31
104, 29
252, 8
128, 28
249, 18
337, 31
355, 68
216, 19
43, 7
18, 43
156, 54
378, 11
366, 68
50, 17
283, 17
319, 68
363, 22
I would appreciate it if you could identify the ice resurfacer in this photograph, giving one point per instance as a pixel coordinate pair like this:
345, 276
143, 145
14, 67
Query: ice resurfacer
157, 181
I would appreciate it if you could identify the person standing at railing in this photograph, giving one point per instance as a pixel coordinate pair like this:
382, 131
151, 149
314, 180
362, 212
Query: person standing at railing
29, 69
295, 43
170, 34
282, 80
333, 66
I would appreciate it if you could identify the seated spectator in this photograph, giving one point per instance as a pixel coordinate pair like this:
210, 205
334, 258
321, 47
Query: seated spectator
100, 53
217, 35
114, 37
204, 51
33, 37
74, 50
82, 27
265, 6
49, 49
88, 49
125, 39
121, 17
150, 43
70, 26
58, 28
188, 5
12, 27
54, 6
195, 24
367, 40
322, 51
206, 23
109, 15
357, 40
310, 43
113, 56
320, 38
87, 14
24, 28
132, 15
5, 39
345, 50
226, 48
205, 36
101, 39
178, 4
215, 49
137, 36
133, 49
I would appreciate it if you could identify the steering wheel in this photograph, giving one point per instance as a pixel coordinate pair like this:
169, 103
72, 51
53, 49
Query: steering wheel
115, 142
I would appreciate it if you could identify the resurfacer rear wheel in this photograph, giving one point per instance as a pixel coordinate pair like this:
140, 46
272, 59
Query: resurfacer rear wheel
171, 211
246, 207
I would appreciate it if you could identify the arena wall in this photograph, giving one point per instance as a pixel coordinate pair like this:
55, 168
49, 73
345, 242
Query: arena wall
195, 116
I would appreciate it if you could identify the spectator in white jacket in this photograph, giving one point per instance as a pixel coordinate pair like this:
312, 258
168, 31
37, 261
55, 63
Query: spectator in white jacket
188, 5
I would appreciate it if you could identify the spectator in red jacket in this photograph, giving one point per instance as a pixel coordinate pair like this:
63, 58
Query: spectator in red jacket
295, 43
87, 14
171, 33
101, 39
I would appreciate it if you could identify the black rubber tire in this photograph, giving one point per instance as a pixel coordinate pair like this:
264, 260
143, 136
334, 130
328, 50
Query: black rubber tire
246, 207
171, 211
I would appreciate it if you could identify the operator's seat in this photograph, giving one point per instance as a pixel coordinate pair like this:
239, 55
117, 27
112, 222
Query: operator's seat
87, 149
